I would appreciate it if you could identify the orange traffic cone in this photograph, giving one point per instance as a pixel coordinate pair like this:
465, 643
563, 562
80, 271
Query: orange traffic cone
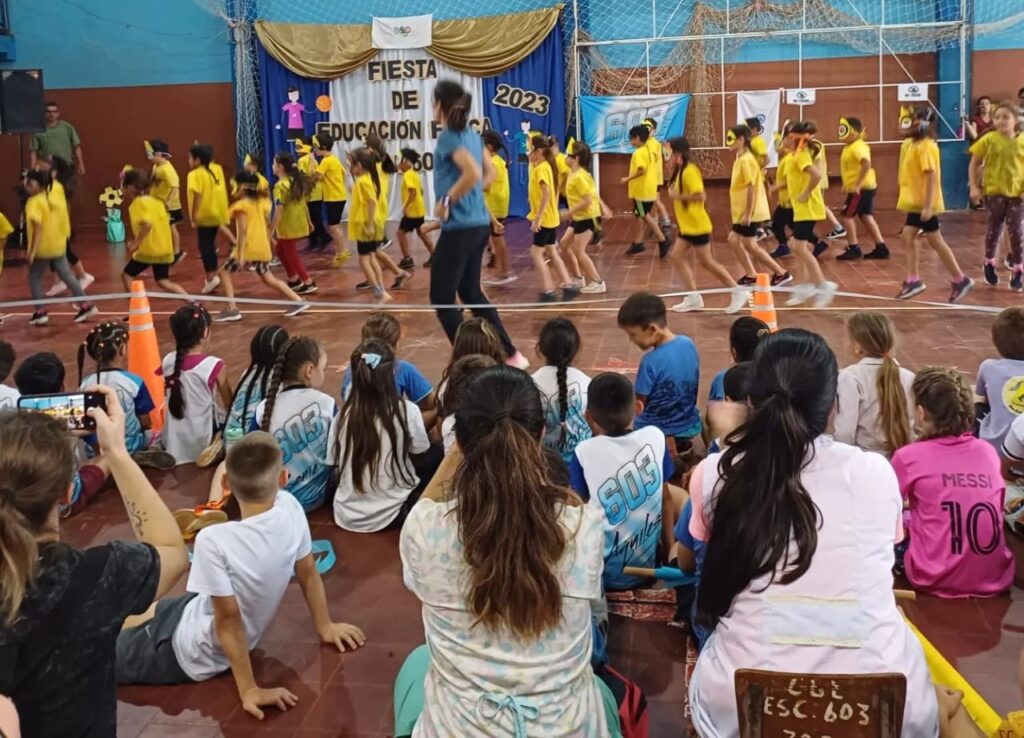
144, 351
763, 307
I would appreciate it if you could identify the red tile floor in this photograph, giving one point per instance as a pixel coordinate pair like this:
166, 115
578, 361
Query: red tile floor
350, 695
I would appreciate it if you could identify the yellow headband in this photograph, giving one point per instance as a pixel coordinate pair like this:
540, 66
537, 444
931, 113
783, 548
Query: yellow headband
301, 147
149, 149
730, 138
906, 117
649, 122
777, 136
570, 147
247, 161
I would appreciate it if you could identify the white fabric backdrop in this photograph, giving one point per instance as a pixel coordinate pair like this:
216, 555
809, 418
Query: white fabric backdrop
763, 104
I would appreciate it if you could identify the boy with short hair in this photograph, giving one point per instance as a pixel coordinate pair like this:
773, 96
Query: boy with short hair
414, 211
623, 473
669, 373
642, 183
1000, 386
239, 575
8, 395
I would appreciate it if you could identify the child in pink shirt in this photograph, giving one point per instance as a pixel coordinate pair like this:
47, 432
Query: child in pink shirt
954, 487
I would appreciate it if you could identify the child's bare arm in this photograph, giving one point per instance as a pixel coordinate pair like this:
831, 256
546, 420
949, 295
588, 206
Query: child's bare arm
339, 635
224, 390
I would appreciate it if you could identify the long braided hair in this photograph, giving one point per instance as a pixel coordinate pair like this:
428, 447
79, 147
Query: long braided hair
103, 344
264, 347
559, 343
189, 325
294, 354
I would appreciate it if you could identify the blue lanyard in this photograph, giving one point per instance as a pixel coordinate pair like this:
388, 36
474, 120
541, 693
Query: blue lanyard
521, 710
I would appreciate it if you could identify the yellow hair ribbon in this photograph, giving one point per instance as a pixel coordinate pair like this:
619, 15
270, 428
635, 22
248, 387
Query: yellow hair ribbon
149, 149
730, 138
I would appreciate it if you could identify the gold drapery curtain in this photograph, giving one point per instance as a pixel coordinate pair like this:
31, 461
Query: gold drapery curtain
482, 47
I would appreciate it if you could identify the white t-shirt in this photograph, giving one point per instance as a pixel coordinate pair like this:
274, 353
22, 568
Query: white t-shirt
840, 617
384, 492
576, 427
252, 559
185, 438
473, 669
448, 432
8, 397
858, 405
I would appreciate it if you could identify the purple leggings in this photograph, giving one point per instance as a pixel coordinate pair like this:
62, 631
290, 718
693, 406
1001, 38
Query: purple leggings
1008, 211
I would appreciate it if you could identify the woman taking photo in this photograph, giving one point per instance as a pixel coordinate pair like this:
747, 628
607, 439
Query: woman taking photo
460, 173
62, 608
505, 564
800, 530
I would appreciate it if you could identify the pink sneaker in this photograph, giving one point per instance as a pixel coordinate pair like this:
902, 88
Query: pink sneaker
518, 361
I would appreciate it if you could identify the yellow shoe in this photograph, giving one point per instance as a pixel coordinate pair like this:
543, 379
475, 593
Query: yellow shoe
341, 258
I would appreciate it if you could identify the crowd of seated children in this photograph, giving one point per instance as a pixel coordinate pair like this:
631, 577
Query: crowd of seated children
562, 386
1000, 386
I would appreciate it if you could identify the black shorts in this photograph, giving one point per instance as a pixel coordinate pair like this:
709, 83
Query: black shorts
135, 268
747, 231
176, 216
408, 225
365, 248
927, 226
642, 207
335, 209
563, 203
803, 230
145, 653
494, 232
260, 267
582, 226
865, 204
702, 240
544, 237
294, 133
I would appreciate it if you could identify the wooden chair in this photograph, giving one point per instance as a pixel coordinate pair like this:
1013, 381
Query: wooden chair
779, 705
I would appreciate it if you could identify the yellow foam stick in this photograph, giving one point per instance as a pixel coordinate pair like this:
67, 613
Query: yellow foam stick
943, 673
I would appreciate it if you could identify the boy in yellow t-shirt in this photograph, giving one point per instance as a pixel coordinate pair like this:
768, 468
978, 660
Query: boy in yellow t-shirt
658, 159
921, 199
165, 185
331, 175
307, 163
642, 188
152, 246
496, 198
860, 184
543, 196
365, 227
414, 209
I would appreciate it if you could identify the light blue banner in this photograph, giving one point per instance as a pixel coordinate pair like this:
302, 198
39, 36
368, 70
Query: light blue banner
607, 120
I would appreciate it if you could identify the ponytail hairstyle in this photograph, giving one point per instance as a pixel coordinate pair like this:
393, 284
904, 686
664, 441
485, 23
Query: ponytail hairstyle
454, 103
803, 132
680, 147
64, 172
249, 185
301, 183
460, 373
138, 179
495, 142
506, 507
264, 347
294, 354
103, 344
384, 326
189, 326
875, 334
559, 344
365, 159
947, 399
475, 336
764, 521
255, 161
545, 145
735, 133
373, 405
36, 465
581, 152
40, 177
203, 153
921, 126
376, 147
745, 334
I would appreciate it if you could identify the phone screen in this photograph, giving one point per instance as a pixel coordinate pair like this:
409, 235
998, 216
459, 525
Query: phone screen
67, 407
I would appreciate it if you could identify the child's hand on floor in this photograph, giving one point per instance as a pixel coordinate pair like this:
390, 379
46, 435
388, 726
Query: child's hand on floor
258, 697
342, 634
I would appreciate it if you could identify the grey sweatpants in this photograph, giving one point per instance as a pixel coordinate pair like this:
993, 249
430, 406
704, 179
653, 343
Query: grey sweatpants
61, 266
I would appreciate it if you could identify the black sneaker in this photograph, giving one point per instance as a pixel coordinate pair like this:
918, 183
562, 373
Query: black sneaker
400, 280
852, 253
746, 281
990, 274
781, 251
363, 286
820, 248
636, 248
179, 256
307, 289
837, 232
910, 289
85, 312
960, 289
598, 235
546, 297
1008, 264
879, 252
39, 317
761, 234
1016, 280
569, 293
780, 279
294, 284
407, 263
664, 247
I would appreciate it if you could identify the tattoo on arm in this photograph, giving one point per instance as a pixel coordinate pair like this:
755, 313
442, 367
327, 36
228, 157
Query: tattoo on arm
137, 517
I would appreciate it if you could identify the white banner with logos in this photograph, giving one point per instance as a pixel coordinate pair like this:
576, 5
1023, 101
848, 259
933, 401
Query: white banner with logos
800, 96
392, 95
763, 105
913, 92
411, 32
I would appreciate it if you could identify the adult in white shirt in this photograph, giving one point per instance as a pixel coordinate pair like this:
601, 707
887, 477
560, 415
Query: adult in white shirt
505, 564
799, 530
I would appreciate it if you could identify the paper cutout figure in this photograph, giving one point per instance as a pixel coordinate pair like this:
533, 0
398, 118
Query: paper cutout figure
293, 112
521, 146
111, 199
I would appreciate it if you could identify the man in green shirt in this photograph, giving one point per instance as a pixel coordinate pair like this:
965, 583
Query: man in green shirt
59, 139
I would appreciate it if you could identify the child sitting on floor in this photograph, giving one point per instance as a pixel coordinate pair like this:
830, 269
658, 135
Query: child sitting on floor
8, 395
744, 335
239, 576
563, 387
1000, 388
373, 442
474, 336
461, 372
953, 486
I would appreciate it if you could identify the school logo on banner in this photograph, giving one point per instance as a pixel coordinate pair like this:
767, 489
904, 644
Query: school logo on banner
412, 32
913, 92
607, 120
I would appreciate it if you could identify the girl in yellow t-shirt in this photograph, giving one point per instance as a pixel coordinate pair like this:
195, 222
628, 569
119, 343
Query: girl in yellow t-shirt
307, 164
63, 180
686, 189
253, 164
152, 245
414, 209
860, 184
584, 210
165, 185
291, 222
543, 217
331, 176
252, 246
207, 208
1001, 151
803, 180
748, 206
47, 246
496, 197
385, 170
365, 227
921, 199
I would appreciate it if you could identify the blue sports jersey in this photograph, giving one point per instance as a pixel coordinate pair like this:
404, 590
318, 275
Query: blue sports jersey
668, 378
135, 401
242, 414
685, 538
409, 381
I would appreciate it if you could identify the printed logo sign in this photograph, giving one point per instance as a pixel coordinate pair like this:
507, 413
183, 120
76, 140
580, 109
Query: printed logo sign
913, 92
800, 96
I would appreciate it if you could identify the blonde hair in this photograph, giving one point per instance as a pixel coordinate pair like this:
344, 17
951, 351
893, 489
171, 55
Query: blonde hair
876, 336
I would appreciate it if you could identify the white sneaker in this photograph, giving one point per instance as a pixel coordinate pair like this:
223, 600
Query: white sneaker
825, 293
801, 294
299, 309
499, 281
59, 288
86, 281
594, 288
210, 285
228, 315
579, 283
689, 304
837, 232
739, 300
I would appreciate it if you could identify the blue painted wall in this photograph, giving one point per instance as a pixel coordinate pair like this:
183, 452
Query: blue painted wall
119, 43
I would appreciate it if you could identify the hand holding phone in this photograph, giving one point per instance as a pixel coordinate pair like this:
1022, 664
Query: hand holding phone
108, 419
71, 408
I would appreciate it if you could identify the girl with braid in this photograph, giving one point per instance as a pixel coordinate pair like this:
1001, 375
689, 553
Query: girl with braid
299, 416
563, 387
197, 386
107, 344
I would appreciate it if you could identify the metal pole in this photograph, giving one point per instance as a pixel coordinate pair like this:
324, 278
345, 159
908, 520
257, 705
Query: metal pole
721, 83
881, 82
727, 14
647, 63
654, 18
800, 65
576, 63
964, 101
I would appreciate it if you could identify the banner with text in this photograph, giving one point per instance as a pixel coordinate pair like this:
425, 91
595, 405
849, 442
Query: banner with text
607, 120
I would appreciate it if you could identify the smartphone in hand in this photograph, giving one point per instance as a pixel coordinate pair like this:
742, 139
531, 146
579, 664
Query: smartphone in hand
68, 407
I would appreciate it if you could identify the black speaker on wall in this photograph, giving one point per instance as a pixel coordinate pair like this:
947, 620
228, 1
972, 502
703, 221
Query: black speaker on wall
21, 101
